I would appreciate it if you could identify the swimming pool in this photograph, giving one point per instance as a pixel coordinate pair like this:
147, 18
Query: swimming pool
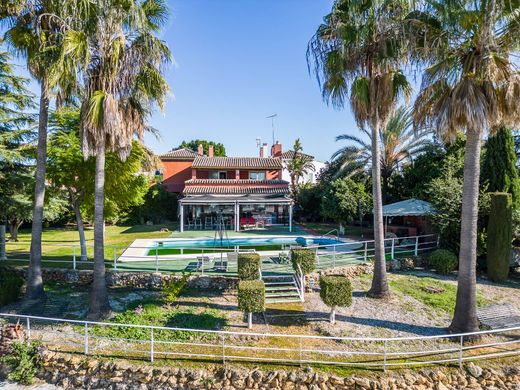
179, 246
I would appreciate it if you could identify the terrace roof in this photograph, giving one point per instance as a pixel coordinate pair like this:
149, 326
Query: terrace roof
237, 162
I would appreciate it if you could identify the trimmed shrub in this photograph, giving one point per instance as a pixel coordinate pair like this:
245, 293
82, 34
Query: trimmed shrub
335, 291
249, 266
443, 261
499, 236
305, 257
251, 298
10, 287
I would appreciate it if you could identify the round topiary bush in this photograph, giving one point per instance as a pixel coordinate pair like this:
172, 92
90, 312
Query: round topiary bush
249, 266
251, 298
305, 258
335, 291
443, 261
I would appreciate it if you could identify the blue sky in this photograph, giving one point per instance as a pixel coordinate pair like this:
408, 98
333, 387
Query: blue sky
239, 61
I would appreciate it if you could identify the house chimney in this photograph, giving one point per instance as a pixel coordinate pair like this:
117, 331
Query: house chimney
211, 151
276, 150
263, 150
200, 150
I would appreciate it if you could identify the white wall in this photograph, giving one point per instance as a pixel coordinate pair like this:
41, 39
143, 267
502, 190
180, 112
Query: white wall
309, 177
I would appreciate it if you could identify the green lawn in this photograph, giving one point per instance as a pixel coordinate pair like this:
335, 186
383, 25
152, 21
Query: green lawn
58, 243
420, 287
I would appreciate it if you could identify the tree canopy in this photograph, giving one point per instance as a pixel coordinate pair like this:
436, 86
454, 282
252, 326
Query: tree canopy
219, 148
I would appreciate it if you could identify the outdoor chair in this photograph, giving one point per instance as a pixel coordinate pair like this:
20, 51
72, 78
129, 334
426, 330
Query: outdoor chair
204, 263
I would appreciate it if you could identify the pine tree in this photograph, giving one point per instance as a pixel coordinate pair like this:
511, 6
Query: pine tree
499, 170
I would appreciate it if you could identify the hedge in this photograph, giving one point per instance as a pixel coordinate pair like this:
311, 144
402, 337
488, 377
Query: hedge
335, 290
499, 236
251, 296
10, 287
249, 266
443, 261
305, 257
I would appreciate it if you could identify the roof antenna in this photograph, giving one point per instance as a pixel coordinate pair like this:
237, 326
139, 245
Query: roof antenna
272, 122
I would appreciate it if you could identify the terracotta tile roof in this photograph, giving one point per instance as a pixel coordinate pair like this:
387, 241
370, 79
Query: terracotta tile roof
182, 154
234, 181
237, 162
231, 190
288, 155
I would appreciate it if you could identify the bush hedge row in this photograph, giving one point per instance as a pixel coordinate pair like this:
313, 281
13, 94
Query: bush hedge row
305, 257
251, 296
249, 266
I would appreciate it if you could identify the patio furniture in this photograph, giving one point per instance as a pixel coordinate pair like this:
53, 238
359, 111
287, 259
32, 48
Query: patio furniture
198, 223
283, 257
204, 263
191, 224
208, 223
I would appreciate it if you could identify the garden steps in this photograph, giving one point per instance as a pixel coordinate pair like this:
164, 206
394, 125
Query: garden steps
280, 289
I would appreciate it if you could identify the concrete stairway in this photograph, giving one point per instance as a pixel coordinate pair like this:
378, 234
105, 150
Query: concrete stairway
280, 289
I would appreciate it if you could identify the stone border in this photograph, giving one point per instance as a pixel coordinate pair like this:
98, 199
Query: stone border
72, 371
129, 279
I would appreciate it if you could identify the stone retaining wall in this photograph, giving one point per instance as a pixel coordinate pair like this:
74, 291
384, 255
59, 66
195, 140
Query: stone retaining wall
71, 372
129, 279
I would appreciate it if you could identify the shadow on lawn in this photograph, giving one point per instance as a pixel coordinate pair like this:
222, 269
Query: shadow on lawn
149, 228
283, 317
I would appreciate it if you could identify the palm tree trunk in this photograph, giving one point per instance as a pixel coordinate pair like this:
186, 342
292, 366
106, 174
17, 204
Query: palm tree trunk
465, 315
99, 305
81, 230
34, 275
379, 288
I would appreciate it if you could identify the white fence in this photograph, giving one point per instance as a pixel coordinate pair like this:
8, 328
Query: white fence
150, 259
154, 342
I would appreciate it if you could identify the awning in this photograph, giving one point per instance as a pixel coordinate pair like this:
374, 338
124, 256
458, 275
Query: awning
409, 207
232, 199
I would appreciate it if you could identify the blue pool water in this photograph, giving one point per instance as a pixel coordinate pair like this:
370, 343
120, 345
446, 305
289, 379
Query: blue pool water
246, 241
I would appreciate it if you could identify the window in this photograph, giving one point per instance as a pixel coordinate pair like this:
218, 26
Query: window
217, 174
257, 175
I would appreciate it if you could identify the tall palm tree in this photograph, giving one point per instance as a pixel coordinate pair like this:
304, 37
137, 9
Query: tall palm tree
399, 143
471, 84
357, 55
29, 31
299, 165
121, 60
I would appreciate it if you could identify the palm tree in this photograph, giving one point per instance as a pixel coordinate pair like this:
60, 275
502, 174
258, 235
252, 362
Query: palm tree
470, 85
29, 31
120, 58
399, 143
357, 55
299, 165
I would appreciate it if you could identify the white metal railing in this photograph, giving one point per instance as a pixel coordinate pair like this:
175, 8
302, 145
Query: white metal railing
378, 352
150, 259
300, 282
